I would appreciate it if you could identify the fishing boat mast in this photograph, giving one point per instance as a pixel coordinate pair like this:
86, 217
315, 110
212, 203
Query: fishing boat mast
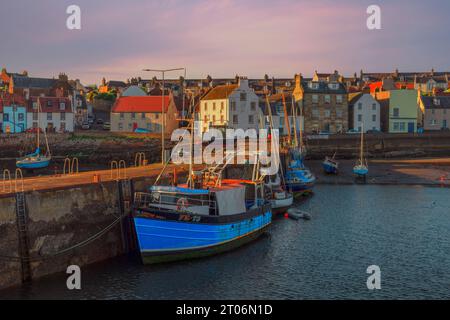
294, 119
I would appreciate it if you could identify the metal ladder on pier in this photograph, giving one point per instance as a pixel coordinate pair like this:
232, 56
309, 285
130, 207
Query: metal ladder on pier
22, 229
126, 191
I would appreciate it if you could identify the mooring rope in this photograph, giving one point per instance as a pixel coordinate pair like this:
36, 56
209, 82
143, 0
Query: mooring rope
66, 250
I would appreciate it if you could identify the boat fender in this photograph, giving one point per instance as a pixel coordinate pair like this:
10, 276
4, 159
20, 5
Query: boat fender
182, 204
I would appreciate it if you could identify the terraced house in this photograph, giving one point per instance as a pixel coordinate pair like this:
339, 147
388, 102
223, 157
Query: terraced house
52, 114
14, 114
230, 106
436, 112
144, 113
325, 104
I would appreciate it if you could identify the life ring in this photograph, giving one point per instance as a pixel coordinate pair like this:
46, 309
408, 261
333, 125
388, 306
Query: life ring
182, 204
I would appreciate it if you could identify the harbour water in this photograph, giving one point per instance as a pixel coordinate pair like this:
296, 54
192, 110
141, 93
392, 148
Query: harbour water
405, 230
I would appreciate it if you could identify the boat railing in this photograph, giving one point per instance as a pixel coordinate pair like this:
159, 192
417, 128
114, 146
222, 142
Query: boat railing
18, 177
6, 181
167, 201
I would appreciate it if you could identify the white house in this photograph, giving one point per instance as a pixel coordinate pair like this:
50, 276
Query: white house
364, 112
230, 106
53, 114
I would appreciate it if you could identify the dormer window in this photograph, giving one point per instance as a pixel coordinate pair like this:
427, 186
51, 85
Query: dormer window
62, 106
333, 86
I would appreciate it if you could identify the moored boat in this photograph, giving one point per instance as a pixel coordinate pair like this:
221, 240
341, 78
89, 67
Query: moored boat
177, 223
330, 165
361, 168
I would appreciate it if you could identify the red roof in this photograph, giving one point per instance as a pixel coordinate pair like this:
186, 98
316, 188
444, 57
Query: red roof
51, 104
146, 104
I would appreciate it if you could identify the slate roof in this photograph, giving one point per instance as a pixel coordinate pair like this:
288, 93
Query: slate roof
430, 103
116, 84
323, 88
21, 81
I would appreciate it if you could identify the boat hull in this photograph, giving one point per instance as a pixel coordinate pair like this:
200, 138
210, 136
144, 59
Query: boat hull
165, 237
329, 168
280, 206
360, 172
33, 165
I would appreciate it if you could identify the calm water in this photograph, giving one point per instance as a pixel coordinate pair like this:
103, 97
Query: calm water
404, 230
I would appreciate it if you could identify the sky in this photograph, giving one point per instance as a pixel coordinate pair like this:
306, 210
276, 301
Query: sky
222, 38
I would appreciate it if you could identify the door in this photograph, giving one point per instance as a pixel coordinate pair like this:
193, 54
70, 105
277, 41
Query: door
410, 127
444, 123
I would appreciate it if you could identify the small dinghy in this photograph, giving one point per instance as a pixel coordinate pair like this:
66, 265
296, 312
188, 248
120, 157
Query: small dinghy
330, 165
297, 214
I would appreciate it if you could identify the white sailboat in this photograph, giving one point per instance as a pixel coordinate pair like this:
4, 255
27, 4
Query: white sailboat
361, 168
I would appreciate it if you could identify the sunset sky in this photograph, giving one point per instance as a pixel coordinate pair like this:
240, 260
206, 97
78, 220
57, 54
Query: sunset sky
222, 37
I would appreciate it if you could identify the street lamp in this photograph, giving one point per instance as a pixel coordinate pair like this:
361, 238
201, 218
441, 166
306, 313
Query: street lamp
163, 120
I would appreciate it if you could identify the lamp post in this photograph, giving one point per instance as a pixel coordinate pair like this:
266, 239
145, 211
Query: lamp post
163, 114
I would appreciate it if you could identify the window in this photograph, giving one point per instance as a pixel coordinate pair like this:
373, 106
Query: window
315, 98
214, 106
214, 118
327, 113
205, 119
374, 106
156, 116
120, 126
243, 96
402, 126
374, 117
49, 116
339, 98
432, 122
359, 129
221, 106
62, 106
206, 106
221, 119
315, 113
396, 112
235, 119
49, 103
63, 116
133, 115
21, 116
5, 117
35, 116
35, 105
143, 115
233, 105
359, 117
327, 98
122, 116
253, 106
359, 106
396, 126
338, 113
35, 124
149, 126
250, 119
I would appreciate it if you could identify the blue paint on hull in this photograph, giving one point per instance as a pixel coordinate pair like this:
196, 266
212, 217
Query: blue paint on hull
162, 237
33, 165
329, 168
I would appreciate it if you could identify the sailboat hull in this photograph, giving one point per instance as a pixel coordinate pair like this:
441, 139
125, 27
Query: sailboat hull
329, 167
23, 164
361, 172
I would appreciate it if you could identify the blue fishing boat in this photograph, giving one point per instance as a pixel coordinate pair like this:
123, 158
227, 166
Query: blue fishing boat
177, 223
330, 165
361, 169
298, 178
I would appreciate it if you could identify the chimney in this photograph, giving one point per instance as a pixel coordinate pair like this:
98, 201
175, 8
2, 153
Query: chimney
243, 82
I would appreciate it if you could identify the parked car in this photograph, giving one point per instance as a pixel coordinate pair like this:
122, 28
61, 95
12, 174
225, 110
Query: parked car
373, 131
324, 133
99, 121
107, 126
34, 130
445, 129
85, 125
352, 131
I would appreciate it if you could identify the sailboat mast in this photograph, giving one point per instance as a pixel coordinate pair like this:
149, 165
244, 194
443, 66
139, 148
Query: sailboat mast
38, 123
294, 119
362, 146
301, 129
